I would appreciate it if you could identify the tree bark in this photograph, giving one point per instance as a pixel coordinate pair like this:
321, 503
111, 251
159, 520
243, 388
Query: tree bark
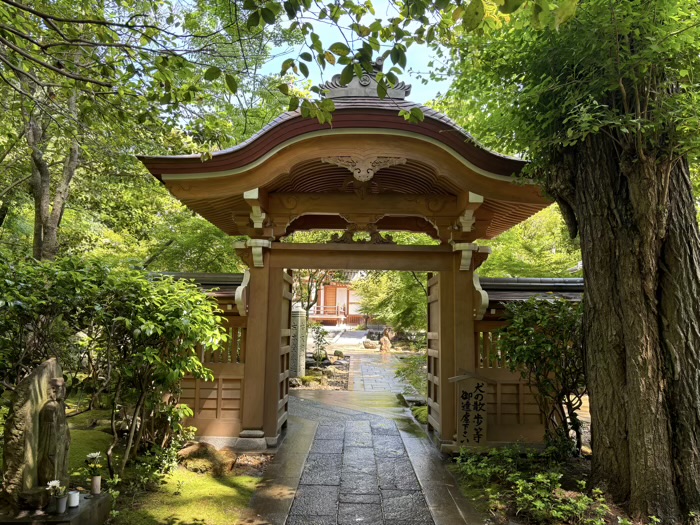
640, 248
48, 215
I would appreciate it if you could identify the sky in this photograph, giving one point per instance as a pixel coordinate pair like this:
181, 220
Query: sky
418, 59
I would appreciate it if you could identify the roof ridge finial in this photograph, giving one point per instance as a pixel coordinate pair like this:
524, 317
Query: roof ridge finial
365, 86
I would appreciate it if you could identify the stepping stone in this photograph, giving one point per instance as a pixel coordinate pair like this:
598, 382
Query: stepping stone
353, 483
353, 513
315, 501
396, 474
327, 446
322, 469
358, 439
405, 505
388, 446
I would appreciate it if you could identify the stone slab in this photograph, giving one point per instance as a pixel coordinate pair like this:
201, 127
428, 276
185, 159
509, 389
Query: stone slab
315, 501
352, 513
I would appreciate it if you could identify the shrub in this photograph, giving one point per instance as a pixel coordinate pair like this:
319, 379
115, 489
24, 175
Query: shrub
319, 336
528, 484
414, 370
544, 342
122, 335
421, 414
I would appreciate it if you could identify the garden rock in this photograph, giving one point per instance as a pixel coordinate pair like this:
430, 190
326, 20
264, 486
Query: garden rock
370, 345
330, 371
294, 382
196, 449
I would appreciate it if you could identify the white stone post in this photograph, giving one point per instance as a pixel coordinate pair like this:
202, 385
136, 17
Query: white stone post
297, 362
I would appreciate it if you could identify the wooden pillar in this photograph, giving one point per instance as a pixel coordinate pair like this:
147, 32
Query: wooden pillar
273, 342
256, 349
463, 317
447, 358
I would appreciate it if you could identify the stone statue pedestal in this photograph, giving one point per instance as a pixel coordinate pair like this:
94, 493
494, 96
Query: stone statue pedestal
91, 511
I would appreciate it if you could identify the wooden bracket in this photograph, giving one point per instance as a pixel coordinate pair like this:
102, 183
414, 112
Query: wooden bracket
257, 200
242, 295
256, 250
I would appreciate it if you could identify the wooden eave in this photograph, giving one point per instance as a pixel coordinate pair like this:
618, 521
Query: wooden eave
296, 189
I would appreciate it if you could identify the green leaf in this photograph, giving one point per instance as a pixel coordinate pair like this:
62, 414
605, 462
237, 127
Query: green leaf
306, 56
473, 15
253, 20
510, 6
304, 69
231, 83
284, 89
417, 114
293, 103
268, 16
286, 65
330, 57
340, 49
346, 74
212, 73
565, 11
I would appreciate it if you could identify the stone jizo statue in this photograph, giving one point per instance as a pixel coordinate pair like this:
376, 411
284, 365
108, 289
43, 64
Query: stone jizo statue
37, 440
54, 437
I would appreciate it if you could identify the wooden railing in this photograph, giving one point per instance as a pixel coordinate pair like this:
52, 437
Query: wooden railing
336, 310
487, 353
217, 404
512, 409
233, 350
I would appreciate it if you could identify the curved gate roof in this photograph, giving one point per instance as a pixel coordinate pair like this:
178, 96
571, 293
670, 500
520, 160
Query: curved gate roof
369, 170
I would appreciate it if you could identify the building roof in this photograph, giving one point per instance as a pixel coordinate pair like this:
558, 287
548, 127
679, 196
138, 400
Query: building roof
502, 291
369, 168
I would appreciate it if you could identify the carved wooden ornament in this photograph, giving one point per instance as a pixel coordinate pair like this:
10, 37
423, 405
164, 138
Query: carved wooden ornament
364, 168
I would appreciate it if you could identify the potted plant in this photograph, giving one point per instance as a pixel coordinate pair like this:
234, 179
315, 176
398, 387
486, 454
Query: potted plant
93, 463
58, 493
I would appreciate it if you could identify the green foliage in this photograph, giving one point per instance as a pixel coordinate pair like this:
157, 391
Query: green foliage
528, 484
319, 336
397, 299
543, 341
539, 247
45, 306
83, 442
308, 380
206, 499
421, 414
626, 69
414, 371
120, 334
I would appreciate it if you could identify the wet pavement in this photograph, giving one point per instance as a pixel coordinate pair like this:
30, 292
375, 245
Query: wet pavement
358, 457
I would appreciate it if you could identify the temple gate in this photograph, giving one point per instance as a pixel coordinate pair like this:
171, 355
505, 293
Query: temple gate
371, 172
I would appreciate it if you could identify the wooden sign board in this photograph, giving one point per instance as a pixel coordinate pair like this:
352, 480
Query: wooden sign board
471, 430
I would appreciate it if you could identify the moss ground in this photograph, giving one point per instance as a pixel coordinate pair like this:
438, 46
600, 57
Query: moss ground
204, 500
421, 414
83, 442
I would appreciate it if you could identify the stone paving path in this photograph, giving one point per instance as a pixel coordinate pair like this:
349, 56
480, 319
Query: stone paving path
358, 472
358, 457
374, 372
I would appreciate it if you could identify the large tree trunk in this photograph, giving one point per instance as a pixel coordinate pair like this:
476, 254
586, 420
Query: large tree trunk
48, 215
640, 248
